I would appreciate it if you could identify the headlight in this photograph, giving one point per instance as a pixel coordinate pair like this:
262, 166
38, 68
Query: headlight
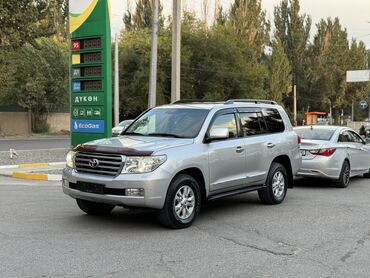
142, 164
70, 159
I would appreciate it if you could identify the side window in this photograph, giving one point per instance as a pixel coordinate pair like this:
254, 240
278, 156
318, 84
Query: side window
273, 120
250, 123
226, 121
356, 138
345, 136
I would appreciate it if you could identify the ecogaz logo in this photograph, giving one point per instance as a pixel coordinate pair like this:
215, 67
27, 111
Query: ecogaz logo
87, 126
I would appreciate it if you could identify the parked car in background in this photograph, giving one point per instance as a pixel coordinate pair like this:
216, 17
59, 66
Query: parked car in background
333, 152
176, 157
117, 130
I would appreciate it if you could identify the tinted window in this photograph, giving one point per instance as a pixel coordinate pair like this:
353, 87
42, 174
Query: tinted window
356, 138
226, 121
345, 137
250, 123
177, 122
273, 120
315, 133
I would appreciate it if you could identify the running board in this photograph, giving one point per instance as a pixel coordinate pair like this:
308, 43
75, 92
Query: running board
236, 192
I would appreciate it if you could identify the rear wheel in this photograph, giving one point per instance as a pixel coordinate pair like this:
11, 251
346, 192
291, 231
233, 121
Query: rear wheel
182, 203
93, 208
344, 176
276, 185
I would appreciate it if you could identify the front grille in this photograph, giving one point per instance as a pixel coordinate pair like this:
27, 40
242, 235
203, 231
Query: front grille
99, 163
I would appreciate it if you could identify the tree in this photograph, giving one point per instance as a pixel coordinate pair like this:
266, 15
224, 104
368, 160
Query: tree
143, 16
250, 24
280, 77
39, 81
23, 21
293, 30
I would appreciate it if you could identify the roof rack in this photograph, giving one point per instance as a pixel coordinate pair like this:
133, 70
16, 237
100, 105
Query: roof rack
231, 101
184, 101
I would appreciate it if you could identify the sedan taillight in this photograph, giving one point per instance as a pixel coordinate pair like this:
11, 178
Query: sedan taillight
323, 152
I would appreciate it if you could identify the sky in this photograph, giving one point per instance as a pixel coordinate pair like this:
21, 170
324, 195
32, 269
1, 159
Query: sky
354, 15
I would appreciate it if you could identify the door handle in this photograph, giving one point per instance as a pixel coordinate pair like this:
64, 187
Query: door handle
239, 149
270, 145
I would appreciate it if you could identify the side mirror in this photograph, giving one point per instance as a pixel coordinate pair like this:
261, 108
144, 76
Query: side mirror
218, 133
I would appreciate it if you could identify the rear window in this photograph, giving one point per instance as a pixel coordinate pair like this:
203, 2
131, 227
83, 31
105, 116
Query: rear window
273, 120
323, 134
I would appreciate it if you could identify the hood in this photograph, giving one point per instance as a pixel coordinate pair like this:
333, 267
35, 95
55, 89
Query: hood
133, 145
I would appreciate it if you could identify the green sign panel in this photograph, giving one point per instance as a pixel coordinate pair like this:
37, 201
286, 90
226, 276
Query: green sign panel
91, 70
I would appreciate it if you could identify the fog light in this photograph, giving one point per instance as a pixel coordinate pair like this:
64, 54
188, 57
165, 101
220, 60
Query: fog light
135, 192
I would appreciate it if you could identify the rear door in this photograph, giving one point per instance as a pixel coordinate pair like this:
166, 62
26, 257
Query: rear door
254, 132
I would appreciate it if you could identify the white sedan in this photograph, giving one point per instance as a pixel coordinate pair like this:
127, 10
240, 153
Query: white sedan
333, 152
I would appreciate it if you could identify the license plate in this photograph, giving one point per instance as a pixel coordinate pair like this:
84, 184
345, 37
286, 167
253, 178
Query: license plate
303, 152
90, 187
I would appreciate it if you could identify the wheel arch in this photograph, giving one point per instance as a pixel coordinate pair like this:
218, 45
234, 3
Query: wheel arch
285, 161
197, 174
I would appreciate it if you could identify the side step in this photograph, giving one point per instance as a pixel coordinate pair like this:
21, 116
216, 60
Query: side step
235, 192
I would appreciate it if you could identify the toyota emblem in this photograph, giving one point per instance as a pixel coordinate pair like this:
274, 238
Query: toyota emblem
94, 163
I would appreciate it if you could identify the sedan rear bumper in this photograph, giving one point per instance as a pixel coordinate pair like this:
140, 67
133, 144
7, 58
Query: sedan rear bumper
320, 167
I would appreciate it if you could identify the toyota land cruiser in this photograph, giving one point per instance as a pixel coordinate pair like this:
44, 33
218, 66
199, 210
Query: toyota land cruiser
176, 157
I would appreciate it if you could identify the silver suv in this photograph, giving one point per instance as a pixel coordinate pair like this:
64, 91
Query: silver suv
174, 158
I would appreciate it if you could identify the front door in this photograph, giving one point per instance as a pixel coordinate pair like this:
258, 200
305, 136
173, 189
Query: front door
227, 161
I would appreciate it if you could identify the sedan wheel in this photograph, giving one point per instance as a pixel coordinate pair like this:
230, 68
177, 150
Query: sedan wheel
344, 176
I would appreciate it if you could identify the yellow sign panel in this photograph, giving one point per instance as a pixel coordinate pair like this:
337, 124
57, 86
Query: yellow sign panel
76, 59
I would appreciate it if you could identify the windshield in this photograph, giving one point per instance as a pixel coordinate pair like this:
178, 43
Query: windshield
312, 133
125, 123
169, 122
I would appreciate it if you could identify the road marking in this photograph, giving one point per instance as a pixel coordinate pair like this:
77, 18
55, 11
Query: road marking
30, 176
33, 165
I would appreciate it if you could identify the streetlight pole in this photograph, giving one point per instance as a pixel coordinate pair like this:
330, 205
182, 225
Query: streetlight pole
153, 64
176, 48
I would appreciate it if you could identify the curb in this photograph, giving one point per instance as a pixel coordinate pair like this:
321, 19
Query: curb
28, 165
36, 176
32, 176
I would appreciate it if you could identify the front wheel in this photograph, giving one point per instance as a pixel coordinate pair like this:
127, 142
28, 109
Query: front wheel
93, 208
276, 185
182, 203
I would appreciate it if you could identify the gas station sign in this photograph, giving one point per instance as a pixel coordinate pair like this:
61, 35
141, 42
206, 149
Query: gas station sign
91, 85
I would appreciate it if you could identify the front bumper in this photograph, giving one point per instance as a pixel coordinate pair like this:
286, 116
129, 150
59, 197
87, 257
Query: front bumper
155, 185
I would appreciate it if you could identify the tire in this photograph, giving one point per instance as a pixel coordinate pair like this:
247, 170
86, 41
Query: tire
344, 176
93, 208
182, 203
276, 185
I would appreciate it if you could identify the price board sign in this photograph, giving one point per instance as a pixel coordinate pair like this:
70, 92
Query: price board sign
90, 61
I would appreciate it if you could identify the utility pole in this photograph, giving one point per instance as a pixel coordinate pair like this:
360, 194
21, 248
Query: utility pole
176, 47
295, 105
153, 63
352, 112
116, 83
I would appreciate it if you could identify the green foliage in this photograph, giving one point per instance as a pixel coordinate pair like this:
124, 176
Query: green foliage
280, 78
142, 16
38, 78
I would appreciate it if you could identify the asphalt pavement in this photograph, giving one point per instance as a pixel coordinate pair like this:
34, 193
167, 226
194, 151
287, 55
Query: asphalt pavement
55, 142
319, 231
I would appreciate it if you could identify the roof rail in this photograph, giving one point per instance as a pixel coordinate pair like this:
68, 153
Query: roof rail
231, 101
184, 101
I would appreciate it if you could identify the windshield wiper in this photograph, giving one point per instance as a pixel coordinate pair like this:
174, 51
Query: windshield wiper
133, 133
164, 135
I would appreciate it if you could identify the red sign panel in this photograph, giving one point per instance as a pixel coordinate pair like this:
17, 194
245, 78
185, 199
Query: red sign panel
76, 45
